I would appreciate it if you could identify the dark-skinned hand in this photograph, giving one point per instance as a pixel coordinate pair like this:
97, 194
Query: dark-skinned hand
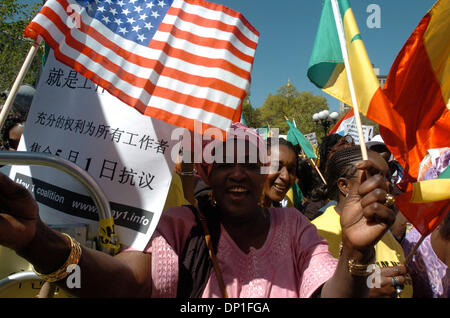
365, 218
18, 214
386, 288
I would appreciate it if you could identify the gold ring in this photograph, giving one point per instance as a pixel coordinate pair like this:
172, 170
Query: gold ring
390, 200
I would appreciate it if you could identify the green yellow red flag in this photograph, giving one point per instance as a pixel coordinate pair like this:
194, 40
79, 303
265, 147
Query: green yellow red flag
418, 87
413, 108
326, 67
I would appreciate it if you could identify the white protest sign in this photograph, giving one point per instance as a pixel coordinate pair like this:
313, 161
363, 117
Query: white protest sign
312, 138
349, 128
352, 131
127, 153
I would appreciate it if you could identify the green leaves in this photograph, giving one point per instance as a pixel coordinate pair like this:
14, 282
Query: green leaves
14, 17
251, 115
290, 103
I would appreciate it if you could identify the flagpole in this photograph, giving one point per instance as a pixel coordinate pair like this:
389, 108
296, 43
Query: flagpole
318, 171
310, 159
19, 79
411, 254
340, 30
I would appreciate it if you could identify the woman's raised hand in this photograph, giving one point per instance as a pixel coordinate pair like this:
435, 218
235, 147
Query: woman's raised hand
19, 215
366, 217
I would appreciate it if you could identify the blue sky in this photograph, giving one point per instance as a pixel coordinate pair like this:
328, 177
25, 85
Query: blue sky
288, 27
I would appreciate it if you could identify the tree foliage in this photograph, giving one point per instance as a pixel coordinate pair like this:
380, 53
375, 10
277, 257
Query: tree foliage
251, 115
290, 103
14, 17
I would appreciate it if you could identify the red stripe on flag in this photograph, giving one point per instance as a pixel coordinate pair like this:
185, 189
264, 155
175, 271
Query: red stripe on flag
164, 115
202, 41
159, 69
227, 11
237, 114
225, 86
55, 18
149, 63
222, 8
418, 119
381, 111
349, 114
142, 61
139, 82
170, 51
214, 24
199, 60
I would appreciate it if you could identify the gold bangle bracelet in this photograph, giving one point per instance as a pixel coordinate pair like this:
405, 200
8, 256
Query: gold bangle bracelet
356, 269
73, 259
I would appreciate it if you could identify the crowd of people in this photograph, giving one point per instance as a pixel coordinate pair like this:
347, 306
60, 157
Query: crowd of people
229, 231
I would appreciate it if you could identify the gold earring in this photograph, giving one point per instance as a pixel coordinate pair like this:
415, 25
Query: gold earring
212, 200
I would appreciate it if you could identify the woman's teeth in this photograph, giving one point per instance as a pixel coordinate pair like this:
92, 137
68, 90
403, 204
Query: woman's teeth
238, 189
279, 187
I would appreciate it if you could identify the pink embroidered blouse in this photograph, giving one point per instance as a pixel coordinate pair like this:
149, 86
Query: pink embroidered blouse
293, 262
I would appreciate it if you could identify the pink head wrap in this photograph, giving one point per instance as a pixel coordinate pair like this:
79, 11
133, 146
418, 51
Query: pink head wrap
237, 131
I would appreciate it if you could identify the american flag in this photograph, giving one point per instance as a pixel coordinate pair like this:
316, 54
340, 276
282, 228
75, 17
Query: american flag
180, 61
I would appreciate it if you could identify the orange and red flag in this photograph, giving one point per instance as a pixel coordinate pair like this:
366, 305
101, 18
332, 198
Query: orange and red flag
418, 117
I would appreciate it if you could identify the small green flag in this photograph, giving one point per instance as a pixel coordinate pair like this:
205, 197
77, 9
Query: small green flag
45, 55
295, 137
298, 194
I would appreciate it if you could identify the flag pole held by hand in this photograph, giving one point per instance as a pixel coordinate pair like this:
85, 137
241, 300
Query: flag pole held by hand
411, 254
19, 79
340, 30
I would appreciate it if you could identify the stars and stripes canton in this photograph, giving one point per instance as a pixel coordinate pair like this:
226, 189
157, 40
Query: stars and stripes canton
181, 61
133, 19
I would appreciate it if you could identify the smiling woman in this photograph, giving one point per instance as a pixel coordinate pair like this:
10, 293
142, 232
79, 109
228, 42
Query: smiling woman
237, 182
231, 246
259, 250
278, 182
